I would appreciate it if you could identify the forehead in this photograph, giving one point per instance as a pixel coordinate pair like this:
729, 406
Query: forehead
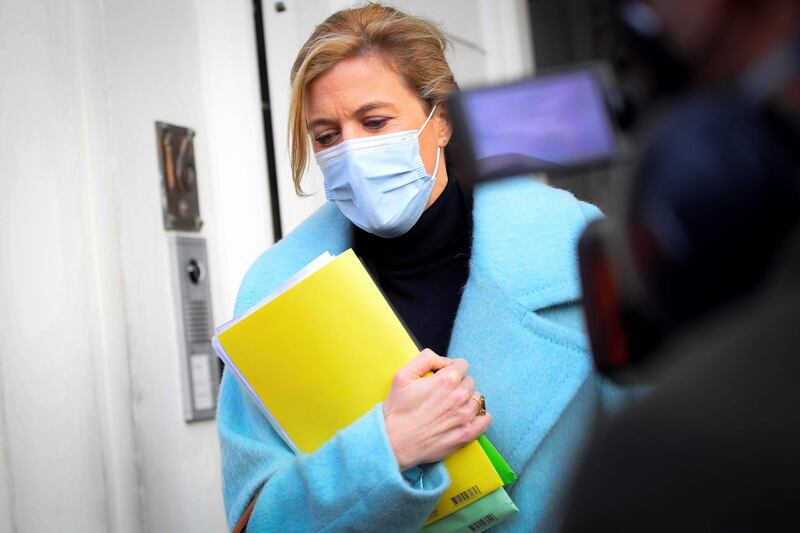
353, 82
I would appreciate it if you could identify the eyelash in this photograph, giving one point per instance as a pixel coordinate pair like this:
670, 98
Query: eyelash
373, 124
321, 139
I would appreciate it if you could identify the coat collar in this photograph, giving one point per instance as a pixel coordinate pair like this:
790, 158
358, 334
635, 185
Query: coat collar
525, 240
525, 237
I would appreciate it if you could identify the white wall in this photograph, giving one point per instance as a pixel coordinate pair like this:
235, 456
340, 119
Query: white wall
91, 430
54, 442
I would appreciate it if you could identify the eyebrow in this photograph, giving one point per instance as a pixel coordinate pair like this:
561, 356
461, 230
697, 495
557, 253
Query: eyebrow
323, 121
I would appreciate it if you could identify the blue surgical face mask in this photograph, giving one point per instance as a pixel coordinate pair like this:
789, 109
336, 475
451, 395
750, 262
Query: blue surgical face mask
379, 182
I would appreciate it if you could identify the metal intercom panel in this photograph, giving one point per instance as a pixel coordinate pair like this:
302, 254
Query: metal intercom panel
200, 372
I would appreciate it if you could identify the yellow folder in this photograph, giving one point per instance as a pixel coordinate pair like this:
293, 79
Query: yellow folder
322, 353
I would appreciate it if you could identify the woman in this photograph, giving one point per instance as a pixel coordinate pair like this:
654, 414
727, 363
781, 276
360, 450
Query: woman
491, 278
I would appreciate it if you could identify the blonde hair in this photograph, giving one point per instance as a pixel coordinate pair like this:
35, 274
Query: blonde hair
414, 47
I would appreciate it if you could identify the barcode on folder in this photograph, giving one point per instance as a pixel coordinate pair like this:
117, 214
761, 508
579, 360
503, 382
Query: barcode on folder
468, 494
481, 523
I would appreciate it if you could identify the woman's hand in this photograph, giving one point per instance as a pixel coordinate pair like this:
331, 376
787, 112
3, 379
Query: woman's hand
428, 419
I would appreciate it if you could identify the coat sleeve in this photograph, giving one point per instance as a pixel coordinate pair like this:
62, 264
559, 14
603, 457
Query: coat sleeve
351, 483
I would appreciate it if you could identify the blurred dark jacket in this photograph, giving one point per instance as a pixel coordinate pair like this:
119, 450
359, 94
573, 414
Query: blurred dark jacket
716, 446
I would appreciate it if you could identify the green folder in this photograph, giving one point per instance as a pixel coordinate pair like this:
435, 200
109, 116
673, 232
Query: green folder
480, 515
503, 470
486, 512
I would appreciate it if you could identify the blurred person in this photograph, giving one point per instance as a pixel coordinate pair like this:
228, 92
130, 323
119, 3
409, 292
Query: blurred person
492, 278
713, 245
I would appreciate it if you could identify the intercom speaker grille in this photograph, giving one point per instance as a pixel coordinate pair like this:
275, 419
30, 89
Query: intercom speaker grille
198, 321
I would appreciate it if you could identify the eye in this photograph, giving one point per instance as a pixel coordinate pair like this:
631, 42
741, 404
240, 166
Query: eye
325, 139
375, 123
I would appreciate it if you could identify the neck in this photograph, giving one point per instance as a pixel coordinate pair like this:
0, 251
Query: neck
440, 228
439, 186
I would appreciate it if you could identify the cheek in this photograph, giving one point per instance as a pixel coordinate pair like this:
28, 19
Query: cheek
427, 148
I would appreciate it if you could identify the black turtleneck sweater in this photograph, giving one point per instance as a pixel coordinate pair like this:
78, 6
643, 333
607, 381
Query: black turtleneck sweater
423, 271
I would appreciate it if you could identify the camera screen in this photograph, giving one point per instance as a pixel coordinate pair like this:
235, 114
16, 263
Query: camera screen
539, 124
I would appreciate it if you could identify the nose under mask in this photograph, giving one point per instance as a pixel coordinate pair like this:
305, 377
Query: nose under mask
379, 183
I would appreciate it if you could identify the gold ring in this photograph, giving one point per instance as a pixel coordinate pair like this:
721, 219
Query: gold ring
481, 401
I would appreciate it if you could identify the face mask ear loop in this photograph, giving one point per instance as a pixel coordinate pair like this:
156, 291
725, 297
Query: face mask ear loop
436, 166
438, 149
427, 120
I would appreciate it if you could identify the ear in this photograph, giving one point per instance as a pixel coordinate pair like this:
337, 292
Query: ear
442, 125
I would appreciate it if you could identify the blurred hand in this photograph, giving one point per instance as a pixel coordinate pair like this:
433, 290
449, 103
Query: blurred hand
427, 419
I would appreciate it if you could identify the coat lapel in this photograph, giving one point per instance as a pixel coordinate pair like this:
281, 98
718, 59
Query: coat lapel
523, 261
528, 368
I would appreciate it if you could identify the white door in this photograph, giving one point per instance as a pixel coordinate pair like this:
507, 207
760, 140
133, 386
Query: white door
491, 42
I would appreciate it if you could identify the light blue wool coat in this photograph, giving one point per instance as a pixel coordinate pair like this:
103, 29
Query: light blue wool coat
518, 325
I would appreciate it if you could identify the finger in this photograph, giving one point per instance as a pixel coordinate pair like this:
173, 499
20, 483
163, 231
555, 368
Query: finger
467, 432
482, 423
455, 373
476, 404
477, 427
426, 361
471, 408
456, 401
460, 396
467, 386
